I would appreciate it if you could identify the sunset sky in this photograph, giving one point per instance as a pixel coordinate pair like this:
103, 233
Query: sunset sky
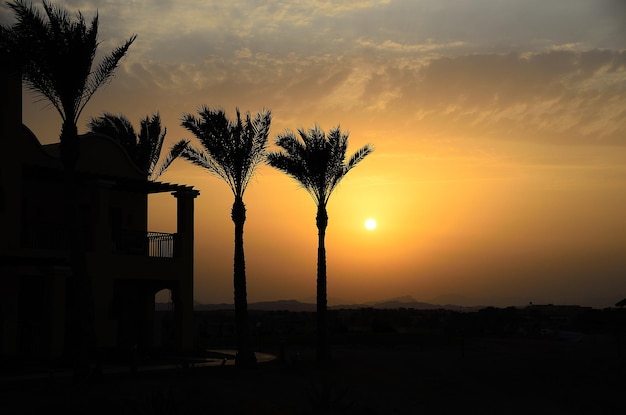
499, 128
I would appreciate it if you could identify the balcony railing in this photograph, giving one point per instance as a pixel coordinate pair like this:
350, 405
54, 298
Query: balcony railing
160, 245
126, 242
153, 244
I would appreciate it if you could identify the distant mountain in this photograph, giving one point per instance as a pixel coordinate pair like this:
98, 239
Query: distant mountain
287, 305
408, 302
393, 304
298, 306
212, 307
451, 298
402, 299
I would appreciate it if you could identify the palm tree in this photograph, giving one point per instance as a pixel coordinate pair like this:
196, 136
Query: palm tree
317, 162
231, 150
144, 148
56, 54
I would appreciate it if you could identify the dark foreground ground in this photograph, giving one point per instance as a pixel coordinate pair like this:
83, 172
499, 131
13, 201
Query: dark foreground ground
383, 374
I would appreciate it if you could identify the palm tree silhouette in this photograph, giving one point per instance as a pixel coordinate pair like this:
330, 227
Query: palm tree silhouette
231, 150
317, 162
144, 148
56, 54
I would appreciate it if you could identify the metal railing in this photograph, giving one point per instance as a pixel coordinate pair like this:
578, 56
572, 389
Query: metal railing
55, 236
160, 245
153, 244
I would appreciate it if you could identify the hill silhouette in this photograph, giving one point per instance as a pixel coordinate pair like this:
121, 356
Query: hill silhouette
299, 306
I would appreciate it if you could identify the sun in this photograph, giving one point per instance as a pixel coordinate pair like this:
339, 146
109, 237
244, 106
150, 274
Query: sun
370, 224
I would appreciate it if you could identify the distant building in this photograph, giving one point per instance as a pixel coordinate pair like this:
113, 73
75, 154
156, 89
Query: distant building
127, 263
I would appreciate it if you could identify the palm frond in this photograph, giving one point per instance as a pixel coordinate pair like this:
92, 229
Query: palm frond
115, 126
201, 158
31, 37
315, 160
68, 40
105, 71
57, 51
175, 152
253, 145
120, 129
232, 149
151, 141
144, 147
9, 49
358, 156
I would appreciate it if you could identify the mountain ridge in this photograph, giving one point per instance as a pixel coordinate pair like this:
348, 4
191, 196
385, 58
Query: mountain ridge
299, 306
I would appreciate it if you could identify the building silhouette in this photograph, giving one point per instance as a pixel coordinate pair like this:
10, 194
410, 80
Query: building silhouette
127, 263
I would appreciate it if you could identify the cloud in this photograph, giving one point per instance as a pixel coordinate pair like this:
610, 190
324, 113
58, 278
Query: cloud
561, 96
188, 30
390, 46
426, 66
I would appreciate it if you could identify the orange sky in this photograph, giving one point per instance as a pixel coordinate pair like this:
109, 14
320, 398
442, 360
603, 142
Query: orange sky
499, 127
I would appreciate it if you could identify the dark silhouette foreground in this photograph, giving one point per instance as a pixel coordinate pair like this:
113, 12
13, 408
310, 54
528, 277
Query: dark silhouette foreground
382, 374
55, 52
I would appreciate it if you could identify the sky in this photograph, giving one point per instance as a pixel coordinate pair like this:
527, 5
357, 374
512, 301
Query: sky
499, 128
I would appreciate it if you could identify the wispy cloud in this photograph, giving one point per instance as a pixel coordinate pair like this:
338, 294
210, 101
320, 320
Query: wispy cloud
391, 46
433, 66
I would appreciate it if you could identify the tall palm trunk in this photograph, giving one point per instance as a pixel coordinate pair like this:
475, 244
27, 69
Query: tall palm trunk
81, 339
323, 347
317, 162
245, 355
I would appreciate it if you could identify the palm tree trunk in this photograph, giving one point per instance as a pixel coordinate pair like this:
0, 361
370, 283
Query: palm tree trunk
323, 346
82, 337
245, 355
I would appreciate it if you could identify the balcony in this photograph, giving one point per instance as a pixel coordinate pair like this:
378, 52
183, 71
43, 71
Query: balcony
152, 244
54, 236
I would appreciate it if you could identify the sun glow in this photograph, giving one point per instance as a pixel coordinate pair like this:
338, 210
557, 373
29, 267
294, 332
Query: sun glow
370, 224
